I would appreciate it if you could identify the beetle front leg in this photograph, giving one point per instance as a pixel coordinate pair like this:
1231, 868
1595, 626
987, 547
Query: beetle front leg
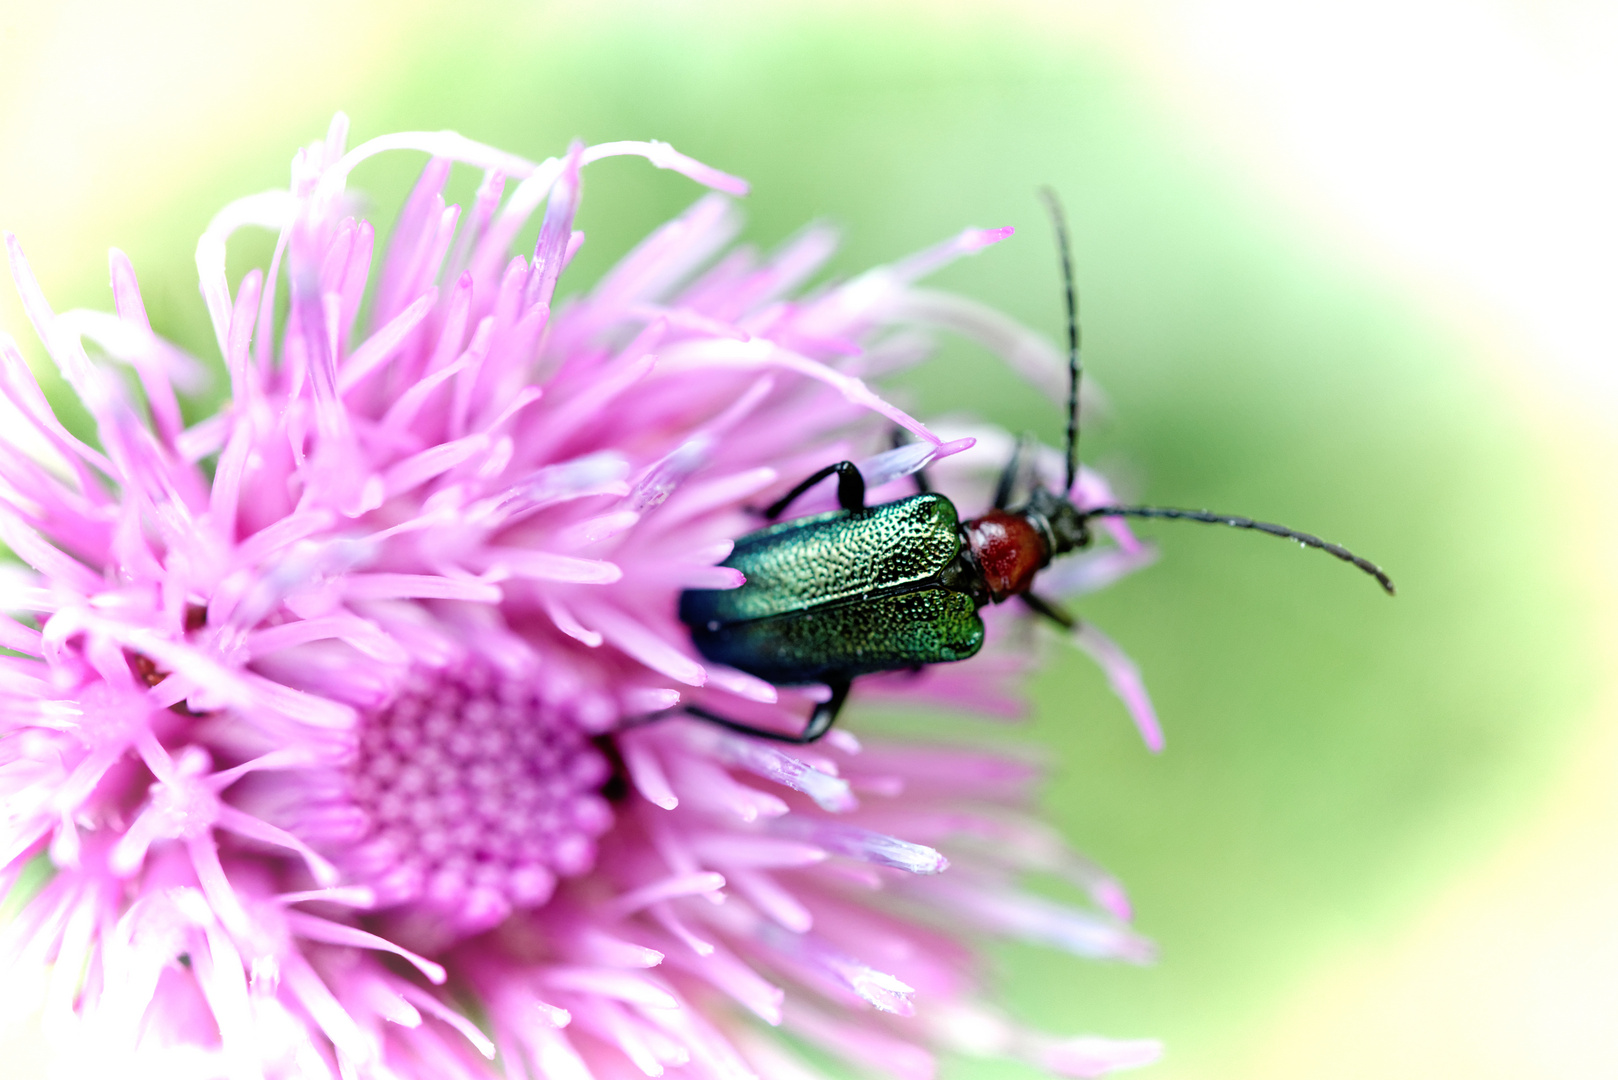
820, 721
850, 489
1009, 476
1050, 610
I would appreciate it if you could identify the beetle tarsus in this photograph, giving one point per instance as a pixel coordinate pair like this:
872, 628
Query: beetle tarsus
850, 489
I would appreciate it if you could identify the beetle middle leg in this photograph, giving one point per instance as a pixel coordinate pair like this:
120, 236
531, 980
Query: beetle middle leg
820, 721
850, 489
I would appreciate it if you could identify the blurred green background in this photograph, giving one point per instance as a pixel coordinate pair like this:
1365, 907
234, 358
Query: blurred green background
1341, 770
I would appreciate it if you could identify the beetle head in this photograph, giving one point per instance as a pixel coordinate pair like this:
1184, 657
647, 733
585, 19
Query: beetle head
1011, 546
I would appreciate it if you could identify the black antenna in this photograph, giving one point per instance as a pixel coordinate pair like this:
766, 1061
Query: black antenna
1207, 518
1075, 370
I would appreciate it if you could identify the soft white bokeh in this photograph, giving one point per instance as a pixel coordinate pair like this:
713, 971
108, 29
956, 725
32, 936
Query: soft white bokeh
1472, 145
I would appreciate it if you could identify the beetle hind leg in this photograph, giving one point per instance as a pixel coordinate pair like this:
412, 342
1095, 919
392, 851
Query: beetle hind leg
826, 712
820, 721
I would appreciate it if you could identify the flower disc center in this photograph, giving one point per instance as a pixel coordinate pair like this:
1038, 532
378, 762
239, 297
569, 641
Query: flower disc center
476, 795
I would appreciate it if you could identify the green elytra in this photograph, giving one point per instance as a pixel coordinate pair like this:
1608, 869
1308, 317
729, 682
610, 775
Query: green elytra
841, 594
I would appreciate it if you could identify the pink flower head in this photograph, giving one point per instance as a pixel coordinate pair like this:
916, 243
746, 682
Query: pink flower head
326, 713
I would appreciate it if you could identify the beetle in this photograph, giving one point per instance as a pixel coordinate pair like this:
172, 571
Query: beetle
866, 589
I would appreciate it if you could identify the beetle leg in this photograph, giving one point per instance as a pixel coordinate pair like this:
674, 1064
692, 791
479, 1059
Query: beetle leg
820, 721
850, 489
825, 714
1010, 475
1050, 610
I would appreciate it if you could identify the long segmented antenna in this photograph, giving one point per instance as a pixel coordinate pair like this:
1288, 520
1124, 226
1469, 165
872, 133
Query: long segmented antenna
1075, 370
1208, 518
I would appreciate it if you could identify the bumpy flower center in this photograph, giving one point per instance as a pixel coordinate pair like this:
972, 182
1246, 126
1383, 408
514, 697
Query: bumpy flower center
477, 796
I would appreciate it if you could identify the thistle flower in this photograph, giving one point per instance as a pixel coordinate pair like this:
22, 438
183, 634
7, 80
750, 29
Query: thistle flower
323, 719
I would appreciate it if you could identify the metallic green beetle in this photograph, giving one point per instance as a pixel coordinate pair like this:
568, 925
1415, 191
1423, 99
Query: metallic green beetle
865, 589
